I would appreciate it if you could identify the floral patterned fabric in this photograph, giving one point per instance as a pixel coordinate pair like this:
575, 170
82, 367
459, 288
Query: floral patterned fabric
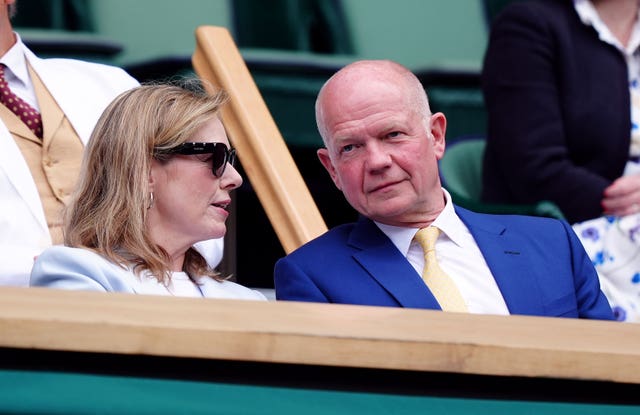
613, 244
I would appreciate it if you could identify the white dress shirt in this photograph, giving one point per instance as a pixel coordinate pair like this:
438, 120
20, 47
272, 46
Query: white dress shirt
17, 75
458, 255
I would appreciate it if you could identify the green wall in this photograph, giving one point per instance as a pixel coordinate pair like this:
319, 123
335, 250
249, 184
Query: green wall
154, 28
417, 33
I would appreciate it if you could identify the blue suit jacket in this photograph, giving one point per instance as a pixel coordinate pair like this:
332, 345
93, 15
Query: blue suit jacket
539, 265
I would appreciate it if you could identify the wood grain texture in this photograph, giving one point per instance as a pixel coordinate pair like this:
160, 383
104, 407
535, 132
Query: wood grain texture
261, 148
319, 334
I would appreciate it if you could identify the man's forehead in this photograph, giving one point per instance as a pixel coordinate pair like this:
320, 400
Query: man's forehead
374, 124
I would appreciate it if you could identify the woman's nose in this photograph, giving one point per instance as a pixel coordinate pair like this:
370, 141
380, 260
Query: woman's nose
230, 179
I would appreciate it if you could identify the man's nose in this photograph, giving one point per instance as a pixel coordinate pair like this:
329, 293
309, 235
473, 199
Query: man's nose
378, 156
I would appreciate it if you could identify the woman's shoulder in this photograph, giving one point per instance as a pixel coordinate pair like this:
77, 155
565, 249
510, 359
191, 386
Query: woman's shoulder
78, 256
61, 253
540, 13
563, 7
76, 268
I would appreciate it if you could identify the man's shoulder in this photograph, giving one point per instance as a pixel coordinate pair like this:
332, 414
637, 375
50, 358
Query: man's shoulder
340, 240
84, 67
338, 235
82, 72
529, 223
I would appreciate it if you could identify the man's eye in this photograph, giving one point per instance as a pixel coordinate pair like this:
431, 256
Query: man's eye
348, 148
393, 134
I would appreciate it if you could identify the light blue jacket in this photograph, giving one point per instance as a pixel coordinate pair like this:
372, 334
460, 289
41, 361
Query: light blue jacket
80, 269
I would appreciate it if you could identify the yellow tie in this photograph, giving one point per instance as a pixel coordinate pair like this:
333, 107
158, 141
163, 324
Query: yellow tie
441, 285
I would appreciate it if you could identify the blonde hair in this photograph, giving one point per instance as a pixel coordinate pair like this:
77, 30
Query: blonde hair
107, 213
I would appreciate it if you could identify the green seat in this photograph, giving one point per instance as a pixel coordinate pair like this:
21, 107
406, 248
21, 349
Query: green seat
461, 175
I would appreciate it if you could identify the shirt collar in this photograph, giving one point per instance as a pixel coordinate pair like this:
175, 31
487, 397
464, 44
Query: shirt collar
589, 16
447, 221
15, 60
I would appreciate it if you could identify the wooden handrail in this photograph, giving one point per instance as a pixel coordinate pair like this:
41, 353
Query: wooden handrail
319, 334
261, 148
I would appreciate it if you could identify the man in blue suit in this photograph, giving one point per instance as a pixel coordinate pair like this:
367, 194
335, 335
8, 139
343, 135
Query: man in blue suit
382, 147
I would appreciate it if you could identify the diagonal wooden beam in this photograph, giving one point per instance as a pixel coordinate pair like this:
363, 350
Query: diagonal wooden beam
261, 148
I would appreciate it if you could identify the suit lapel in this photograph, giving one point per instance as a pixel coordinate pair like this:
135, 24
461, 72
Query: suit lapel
16, 126
50, 112
16, 169
508, 257
385, 264
76, 103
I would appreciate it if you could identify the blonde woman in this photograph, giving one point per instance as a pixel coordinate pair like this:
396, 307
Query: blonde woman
155, 180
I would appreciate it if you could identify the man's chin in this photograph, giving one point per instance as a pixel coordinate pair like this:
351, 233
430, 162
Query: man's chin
388, 214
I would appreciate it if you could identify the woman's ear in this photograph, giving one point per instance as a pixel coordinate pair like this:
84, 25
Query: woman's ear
152, 174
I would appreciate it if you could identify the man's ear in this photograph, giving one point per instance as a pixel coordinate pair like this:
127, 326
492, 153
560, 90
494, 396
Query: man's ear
323, 155
438, 128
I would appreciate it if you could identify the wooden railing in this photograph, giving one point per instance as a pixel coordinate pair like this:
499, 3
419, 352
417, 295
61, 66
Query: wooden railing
319, 334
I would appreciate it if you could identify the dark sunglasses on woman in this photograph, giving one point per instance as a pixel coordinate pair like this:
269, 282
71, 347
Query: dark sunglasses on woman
220, 154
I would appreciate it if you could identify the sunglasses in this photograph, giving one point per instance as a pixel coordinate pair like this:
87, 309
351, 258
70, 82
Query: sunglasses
220, 154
